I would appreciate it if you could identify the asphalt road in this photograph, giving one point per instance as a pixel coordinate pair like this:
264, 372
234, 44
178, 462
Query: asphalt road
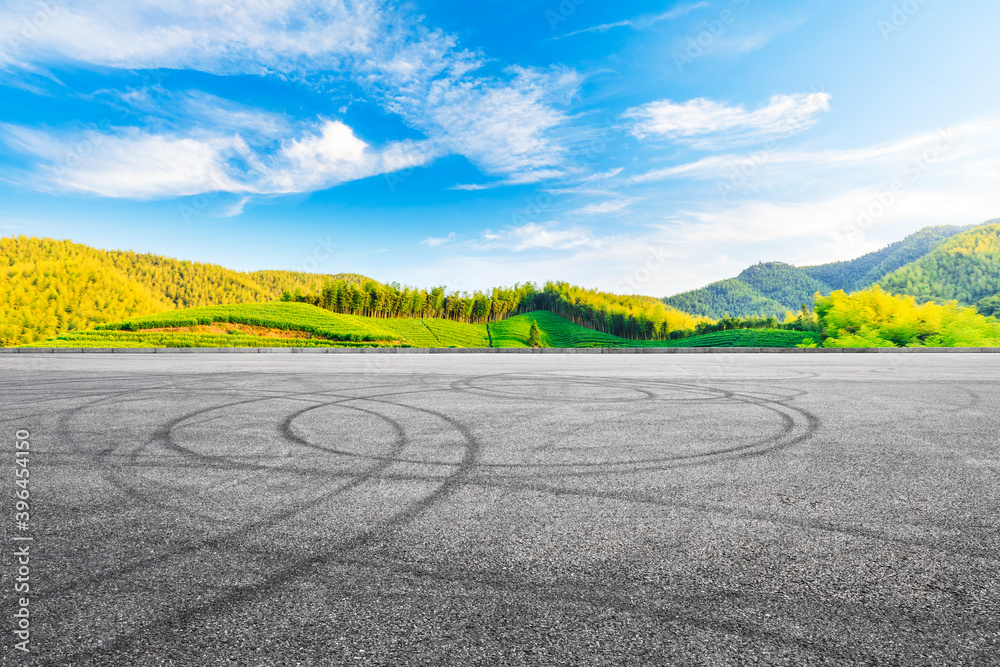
506, 509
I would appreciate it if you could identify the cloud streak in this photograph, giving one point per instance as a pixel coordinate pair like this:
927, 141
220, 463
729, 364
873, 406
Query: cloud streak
641, 22
132, 163
506, 124
707, 124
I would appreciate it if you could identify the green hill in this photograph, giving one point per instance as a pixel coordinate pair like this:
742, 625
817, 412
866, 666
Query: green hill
727, 297
49, 286
283, 324
52, 287
860, 273
556, 332
965, 268
783, 283
772, 288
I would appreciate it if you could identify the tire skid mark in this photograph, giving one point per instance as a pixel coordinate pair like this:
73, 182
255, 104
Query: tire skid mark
727, 512
358, 478
215, 542
169, 623
583, 594
761, 447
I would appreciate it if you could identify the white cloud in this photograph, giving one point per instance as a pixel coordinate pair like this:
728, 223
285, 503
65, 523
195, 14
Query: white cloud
832, 205
606, 207
533, 236
128, 164
434, 242
245, 36
603, 176
505, 124
642, 22
131, 163
503, 128
707, 124
978, 136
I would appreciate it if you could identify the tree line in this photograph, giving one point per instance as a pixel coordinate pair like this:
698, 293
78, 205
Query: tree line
631, 317
372, 299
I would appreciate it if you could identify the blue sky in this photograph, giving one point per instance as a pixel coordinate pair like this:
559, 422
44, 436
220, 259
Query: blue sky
646, 147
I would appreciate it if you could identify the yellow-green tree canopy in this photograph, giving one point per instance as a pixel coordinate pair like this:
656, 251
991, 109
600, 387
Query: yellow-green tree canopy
875, 318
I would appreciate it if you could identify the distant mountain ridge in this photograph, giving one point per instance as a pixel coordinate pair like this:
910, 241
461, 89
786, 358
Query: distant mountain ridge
772, 288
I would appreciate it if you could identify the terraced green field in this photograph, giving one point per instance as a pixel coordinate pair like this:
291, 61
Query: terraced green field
458, 334
740, 338
556, 332
411, 330
329, 329
276, 315
105, 339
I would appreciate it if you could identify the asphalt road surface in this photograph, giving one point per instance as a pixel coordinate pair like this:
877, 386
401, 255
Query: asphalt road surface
505, 509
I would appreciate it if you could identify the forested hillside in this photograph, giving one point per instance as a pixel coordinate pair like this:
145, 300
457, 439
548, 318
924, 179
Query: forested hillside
52, 287
49, 286
726, 297
965, 268
857, 274
634, 317
773, 288
786, 284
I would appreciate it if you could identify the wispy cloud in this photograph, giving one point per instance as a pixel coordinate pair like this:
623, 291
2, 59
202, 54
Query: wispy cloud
641, 22
605, 207
504, 123
132, 163
796, 163
288, 36
434, 242
533, 236
708, 124
848, 201
502, 127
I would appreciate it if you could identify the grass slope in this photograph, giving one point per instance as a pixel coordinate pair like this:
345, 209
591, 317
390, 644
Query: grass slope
431, 332
556, 332
335, 330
